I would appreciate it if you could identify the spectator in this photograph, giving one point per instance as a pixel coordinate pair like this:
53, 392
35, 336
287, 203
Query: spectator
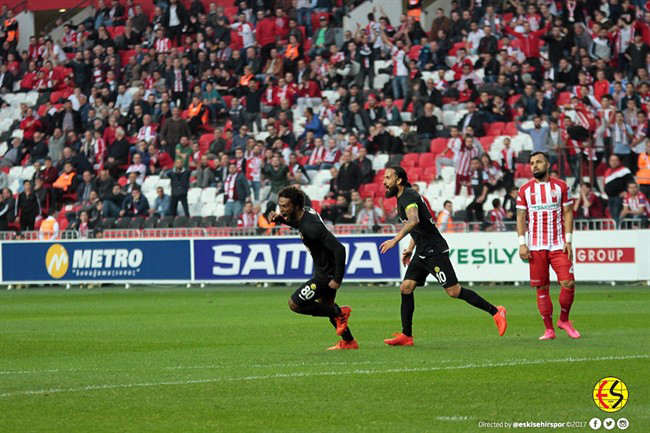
370, 215
137, 167
118, 153
297, 173
365, 166
135, 205
496, 217
349, 174
478, 181
204, 174
49, 229
248, 218
617, 177
172, 131
635, 205
588, 205
278, 176
427, 125
263, 222
14, 155
180, 183
643, 174
183, 152
539, 134
236, 191
445, 220
85, 187
510, 204
27, 207
161, 204
472, 119
112, 203
66, 183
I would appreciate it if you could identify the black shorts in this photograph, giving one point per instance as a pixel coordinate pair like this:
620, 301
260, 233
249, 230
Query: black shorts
316, 288
437, 265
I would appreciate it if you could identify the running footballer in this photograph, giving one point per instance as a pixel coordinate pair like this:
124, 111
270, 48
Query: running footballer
316, 296
431, 257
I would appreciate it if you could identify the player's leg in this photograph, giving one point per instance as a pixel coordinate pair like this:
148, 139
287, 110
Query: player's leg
539, 279
347, 340
564, 270
416, 275
444, 272
303, 301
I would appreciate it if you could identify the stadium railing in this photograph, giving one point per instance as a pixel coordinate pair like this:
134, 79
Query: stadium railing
340, 229
594, 224
35, 235
631, 224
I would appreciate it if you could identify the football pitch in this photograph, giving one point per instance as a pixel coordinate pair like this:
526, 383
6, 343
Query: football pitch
236, 359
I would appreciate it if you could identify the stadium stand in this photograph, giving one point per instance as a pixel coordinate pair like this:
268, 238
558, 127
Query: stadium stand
187, 121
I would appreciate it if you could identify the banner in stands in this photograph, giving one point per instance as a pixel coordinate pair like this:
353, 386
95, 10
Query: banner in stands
600, 256
285, 259
97, 261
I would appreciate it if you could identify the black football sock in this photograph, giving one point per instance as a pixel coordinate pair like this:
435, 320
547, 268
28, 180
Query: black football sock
474, 299
319, 310
407, 309
347, 335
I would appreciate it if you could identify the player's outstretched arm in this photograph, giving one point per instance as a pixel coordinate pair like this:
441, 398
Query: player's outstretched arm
524, 253
411, 222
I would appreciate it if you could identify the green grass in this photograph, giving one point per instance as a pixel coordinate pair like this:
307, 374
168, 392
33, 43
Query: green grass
235, 359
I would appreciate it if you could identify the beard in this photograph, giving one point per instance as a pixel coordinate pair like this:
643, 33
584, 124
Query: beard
392, 191
540, 174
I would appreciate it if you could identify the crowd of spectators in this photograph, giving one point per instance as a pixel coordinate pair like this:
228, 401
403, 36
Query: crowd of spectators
235, 98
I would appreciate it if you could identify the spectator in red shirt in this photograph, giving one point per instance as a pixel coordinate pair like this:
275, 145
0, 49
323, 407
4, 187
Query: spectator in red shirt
588, 205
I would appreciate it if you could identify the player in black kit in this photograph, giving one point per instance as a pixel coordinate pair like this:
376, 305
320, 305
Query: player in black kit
432, 256
316, 296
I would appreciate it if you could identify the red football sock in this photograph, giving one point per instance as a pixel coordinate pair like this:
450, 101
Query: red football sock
545, 307
566, 300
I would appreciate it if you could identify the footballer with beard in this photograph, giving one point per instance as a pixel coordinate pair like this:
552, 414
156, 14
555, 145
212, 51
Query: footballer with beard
316, 296
431, 257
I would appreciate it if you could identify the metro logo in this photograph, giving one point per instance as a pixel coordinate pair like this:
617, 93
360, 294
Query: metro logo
605, 255
57, 261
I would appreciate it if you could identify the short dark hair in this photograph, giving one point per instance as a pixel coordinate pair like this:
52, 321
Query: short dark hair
401, 174
296, 196
445, 203
539, 152
496, 202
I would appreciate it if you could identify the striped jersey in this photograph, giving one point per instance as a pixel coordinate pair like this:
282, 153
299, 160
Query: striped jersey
544, 202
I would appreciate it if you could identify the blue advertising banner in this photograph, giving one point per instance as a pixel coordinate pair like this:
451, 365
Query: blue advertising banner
285, 259
101, 261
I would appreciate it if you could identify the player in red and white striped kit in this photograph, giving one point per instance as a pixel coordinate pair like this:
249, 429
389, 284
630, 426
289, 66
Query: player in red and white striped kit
549, 207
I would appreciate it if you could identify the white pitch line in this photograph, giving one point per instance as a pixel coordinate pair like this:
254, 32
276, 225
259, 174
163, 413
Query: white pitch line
514, 363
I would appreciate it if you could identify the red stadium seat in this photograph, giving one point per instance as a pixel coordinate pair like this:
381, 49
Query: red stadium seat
411, 159
495, 128
429, 174
513, 99
510, 129
456, 47
486, 142
427, 160
564, 98
438, 145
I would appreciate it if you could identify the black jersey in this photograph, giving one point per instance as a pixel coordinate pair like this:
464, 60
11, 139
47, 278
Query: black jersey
326, 251
428, 239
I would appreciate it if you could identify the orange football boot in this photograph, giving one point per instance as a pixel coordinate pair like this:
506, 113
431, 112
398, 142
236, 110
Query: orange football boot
345, 345
399, 340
